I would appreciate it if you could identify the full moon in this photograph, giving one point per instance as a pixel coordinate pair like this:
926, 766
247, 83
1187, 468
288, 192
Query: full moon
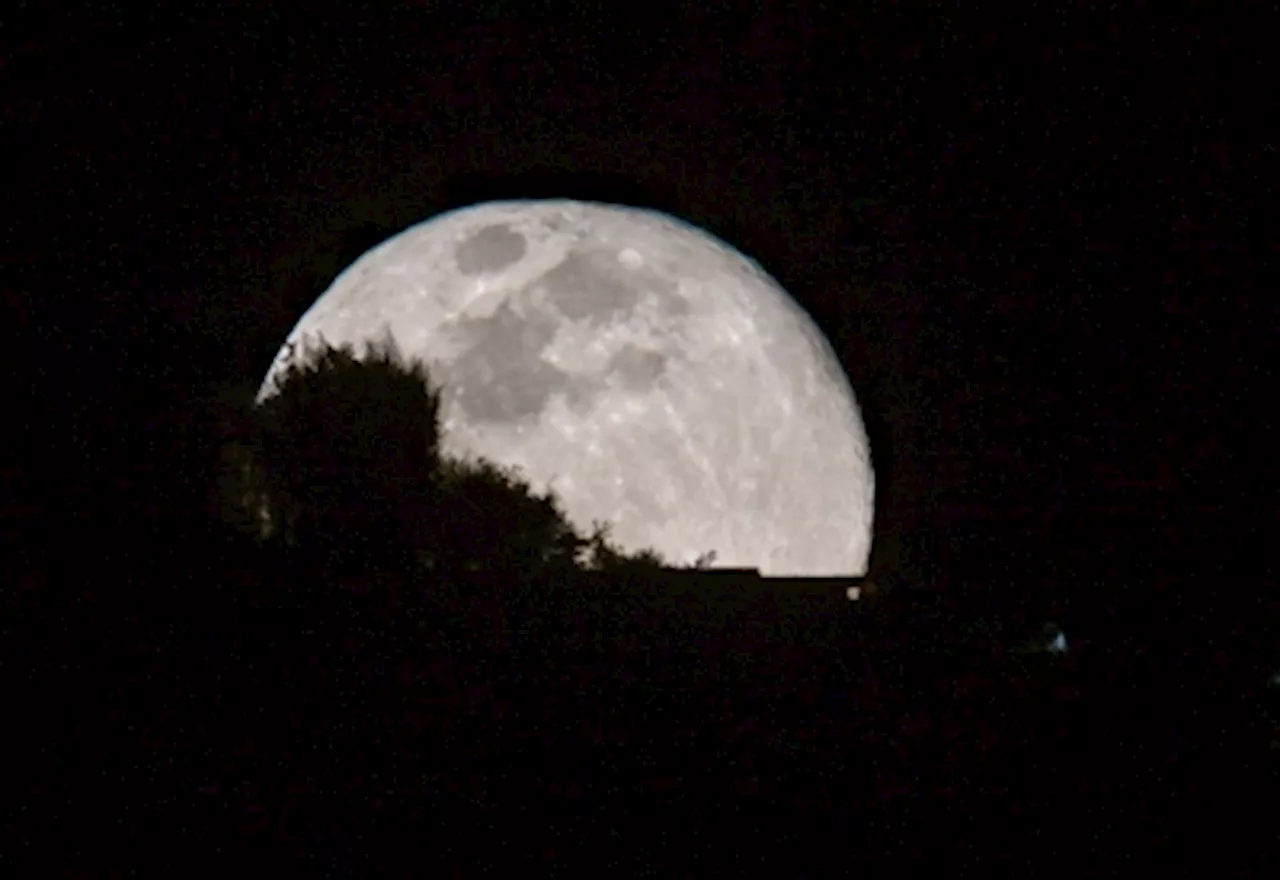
648, 374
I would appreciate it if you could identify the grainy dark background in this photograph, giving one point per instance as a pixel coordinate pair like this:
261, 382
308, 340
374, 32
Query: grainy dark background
1039, 236
1037, 240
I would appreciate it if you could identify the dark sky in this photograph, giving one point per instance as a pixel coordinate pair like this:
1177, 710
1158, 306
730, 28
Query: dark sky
1036, 239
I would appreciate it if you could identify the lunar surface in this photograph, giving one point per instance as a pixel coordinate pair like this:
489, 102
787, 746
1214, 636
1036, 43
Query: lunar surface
648, 374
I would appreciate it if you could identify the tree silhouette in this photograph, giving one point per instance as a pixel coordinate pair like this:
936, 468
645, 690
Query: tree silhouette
342, 461
492, 518
342, 467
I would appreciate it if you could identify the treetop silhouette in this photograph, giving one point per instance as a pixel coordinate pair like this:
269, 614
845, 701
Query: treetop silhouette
342, 464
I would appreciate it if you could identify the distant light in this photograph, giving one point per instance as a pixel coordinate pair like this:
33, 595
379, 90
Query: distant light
1059, 644
853, 593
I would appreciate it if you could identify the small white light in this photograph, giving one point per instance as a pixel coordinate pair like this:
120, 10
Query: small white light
854, 593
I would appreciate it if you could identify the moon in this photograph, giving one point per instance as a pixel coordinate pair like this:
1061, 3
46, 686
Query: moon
644, 371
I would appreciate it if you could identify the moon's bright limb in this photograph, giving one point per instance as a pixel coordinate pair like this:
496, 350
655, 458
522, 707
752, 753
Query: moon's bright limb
650, 375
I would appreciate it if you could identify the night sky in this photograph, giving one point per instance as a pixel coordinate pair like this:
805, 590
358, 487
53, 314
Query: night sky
1035, 239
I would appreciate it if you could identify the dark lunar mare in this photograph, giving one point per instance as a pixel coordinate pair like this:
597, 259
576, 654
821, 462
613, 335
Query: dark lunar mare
502, 377
489, 250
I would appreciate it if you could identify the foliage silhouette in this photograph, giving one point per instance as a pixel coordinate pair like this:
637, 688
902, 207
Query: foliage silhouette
342, 466
492, 517
601, 554
342, 461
